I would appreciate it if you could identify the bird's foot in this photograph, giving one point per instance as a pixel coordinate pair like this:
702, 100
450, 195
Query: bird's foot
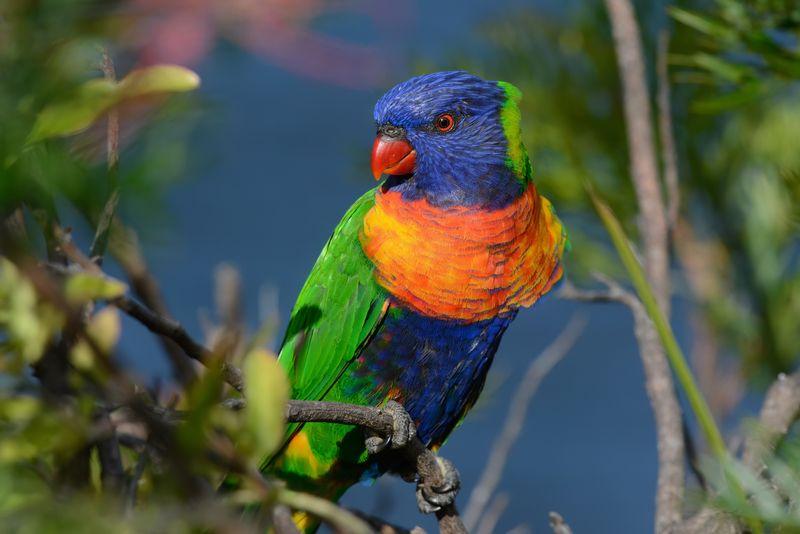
431, 498
403, 430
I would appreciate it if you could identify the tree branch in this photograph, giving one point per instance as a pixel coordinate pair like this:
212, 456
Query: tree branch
641, 149
124, 246
780, 409
654, 232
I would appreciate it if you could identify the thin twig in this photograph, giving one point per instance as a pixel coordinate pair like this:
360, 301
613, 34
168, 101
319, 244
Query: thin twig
174, 331
382, 527
100, 241
669, 154
111, 471
515, 420
557, 524
492, 514
340, 519
780, 409
136, 476
124, 246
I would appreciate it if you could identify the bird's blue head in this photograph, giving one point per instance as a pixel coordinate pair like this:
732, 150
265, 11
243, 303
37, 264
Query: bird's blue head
453, 139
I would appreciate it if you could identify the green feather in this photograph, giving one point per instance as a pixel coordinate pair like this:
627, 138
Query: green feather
510, 118
336, 313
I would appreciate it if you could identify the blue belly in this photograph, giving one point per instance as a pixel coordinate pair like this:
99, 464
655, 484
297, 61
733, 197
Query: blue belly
435, 368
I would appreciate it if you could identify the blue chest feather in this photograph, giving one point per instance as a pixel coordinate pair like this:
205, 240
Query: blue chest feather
435, 368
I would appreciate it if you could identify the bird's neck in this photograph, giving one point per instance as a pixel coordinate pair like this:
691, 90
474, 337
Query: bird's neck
467, 184
460, 262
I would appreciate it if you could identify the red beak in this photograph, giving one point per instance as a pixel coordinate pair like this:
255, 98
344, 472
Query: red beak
392, 156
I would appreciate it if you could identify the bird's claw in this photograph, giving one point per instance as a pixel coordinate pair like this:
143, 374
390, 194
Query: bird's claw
403, 430
431, 498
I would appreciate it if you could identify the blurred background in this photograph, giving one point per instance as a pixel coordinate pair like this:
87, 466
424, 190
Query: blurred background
255, 168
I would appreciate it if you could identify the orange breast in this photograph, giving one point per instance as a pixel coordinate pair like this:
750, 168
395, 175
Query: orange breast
464, 263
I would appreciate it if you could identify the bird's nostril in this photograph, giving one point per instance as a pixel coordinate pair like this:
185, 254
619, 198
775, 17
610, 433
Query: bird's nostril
391, 131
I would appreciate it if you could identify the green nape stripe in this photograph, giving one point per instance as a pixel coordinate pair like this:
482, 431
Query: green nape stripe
510, 118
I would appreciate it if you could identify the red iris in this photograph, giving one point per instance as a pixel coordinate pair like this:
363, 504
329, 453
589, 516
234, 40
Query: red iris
445, 122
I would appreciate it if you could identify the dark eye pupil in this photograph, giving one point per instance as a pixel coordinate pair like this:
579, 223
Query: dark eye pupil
444, 122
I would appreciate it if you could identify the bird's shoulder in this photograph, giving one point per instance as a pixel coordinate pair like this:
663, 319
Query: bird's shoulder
337, 310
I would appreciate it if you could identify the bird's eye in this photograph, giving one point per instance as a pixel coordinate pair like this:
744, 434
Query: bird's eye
445, 122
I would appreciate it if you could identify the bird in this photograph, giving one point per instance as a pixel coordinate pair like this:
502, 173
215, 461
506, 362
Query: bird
409, 299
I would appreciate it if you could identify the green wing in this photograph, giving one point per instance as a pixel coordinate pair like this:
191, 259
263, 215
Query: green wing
337, 311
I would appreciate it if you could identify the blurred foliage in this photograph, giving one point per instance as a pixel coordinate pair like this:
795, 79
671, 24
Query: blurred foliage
51, 56
774, 490
173, 457
734, 68
64, 401
735, 65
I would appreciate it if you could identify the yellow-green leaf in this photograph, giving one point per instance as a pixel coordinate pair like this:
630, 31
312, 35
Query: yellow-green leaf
85, 287
104, 330
158, 79
97, 96
267, 391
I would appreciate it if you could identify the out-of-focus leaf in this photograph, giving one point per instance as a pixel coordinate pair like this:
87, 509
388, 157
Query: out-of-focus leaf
28, 324
70, 117
97, 96
104, 329
267, 390
158, 79
85, 287
726, 70
703, 24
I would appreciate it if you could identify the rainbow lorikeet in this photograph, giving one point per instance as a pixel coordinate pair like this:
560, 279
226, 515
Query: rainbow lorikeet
412, 293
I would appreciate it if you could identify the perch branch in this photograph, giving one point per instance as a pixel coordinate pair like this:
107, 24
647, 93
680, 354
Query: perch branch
537, 370
415, 454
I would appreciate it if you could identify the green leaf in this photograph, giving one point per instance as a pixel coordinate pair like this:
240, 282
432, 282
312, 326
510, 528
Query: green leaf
158, 79
724, 69
267, 391
97, 96
703, 24
66, 118
104, 330
85, 287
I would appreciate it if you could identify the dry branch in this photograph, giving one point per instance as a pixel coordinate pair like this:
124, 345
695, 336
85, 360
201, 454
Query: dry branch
558, 525
641, 149
780, 409
654, 232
